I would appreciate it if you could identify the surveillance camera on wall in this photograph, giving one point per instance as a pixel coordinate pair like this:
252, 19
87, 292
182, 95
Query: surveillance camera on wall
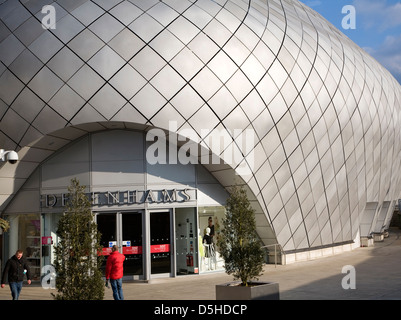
9, 156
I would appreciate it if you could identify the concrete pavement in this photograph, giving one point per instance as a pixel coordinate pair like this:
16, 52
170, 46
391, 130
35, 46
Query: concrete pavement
377, 270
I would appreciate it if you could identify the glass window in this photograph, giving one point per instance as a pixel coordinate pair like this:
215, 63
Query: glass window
24, 234
210, 222
186, 241
160, 244
132, 243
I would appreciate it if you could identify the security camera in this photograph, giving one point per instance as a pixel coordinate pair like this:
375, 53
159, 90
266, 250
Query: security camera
10, 156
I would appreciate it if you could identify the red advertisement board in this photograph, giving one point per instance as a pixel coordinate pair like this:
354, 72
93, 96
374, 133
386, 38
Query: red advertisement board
132, 250
159, 248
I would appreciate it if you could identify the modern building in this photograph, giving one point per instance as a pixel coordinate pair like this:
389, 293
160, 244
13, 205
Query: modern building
124, 95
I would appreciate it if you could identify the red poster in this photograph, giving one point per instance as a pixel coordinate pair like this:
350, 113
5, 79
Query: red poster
132, 250
47, 241
105, 251
159, 248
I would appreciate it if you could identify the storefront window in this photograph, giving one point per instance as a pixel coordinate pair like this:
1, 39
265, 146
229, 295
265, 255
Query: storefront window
186, 241
210, 220
49, 236
24, 234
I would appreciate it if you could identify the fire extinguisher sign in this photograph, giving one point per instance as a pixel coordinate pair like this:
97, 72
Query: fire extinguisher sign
190, 260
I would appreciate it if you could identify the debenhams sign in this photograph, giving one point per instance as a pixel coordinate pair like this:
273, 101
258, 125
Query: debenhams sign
108, 198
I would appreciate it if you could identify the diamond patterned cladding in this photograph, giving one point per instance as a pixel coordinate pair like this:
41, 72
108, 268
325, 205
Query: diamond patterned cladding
299, 84
106, 62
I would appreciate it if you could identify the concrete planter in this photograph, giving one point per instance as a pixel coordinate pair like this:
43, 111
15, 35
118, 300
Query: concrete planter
378, 237
367, 242
257, 291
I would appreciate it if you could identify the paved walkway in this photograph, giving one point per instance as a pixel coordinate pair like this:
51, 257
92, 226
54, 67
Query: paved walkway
377, 269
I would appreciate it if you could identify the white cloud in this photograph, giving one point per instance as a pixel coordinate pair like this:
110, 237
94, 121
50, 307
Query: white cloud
378, 14
389, 55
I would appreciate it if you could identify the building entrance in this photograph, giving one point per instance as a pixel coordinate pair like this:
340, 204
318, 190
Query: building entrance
147, 240
160, 243
125, 231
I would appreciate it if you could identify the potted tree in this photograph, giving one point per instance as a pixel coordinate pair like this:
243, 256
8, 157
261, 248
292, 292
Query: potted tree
241, 250
77, 262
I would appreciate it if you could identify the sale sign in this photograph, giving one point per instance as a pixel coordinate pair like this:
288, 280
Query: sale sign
160, 248
132, 250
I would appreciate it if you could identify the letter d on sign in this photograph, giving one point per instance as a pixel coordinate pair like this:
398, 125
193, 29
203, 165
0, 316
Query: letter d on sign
349, 281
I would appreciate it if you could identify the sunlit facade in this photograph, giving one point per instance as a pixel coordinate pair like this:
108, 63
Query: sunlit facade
77, 100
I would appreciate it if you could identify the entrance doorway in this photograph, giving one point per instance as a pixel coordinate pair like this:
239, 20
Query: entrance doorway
156, 243
160, 242
125, 231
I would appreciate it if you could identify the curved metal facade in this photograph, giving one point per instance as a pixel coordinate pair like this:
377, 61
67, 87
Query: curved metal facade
326, 115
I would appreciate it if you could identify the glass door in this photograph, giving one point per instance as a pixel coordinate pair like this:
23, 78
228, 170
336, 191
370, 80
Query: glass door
160, 243
125, 231
107, 226
132, 242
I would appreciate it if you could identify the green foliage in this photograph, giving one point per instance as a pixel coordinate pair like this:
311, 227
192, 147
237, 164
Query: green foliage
77, 263
238, 242
4, 224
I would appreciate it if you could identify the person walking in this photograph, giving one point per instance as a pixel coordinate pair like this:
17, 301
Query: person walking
15, 269
114, 272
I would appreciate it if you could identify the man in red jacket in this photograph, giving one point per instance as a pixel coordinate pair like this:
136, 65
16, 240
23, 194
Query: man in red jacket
114, 272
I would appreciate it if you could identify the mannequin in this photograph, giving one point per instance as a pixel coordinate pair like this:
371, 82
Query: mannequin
209, 249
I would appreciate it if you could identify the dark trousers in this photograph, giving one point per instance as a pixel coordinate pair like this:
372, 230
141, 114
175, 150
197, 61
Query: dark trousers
117, 286
15, 288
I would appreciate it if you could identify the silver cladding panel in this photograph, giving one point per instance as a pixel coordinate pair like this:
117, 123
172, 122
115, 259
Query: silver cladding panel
325, 113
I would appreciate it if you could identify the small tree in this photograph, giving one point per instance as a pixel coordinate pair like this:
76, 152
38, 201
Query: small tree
77, 262
238, 243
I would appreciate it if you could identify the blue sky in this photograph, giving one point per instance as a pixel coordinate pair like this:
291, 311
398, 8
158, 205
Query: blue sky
377, 29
